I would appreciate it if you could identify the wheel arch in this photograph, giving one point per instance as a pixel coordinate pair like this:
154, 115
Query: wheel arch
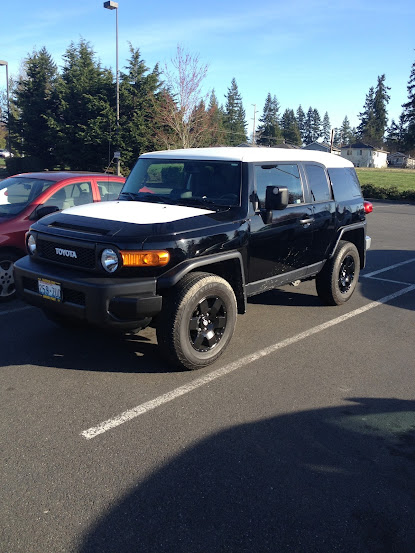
12, 250
229, 266
356, 234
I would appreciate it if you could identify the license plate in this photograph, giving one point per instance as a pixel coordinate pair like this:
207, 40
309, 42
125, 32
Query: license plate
49, 289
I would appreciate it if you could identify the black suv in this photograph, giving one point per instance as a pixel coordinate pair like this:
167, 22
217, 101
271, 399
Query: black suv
193, 235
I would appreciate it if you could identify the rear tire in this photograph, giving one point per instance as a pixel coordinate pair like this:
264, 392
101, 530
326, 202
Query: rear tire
197, 321
337, 281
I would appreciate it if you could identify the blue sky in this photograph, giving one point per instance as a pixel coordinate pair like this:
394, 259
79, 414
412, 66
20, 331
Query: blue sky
313, 53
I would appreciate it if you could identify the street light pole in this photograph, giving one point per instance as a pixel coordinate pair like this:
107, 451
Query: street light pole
114, 6
2, 62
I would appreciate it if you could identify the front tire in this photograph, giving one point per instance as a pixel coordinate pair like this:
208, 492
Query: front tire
197, 321
337, 281
7, 284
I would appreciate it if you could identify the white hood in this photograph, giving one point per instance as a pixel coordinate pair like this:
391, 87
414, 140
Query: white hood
141, 213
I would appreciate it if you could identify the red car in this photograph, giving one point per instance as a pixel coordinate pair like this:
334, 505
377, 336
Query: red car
27, 197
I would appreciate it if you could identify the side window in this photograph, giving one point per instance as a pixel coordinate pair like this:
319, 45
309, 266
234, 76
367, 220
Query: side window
109, 190
70, 195
279, 175
318, 183
345, 183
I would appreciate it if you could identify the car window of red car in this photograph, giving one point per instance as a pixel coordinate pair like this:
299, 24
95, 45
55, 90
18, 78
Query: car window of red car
109, 189
76, 193
16, 193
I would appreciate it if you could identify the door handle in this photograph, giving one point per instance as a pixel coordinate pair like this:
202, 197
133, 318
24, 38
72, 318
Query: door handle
307, 221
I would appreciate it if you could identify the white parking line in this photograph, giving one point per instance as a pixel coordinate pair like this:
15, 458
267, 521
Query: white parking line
198, 382
369, 275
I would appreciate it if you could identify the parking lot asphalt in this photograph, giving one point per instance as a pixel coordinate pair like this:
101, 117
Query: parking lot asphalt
301, 438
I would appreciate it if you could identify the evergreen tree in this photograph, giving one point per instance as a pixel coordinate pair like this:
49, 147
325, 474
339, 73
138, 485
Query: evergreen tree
337, 138
409, 112
326, 128
373, 118
269, 132
380, 103
36, 102
234, 119
290, 130
301, 122
396, 135
87, 115
309, 127
346, 134
216, 134
138, 94
366, 130
317, 125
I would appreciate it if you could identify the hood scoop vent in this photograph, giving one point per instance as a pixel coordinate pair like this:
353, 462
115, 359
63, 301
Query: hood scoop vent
80, 228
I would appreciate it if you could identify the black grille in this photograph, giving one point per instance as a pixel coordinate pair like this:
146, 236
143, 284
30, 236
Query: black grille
72, 296
30, 284
85, 257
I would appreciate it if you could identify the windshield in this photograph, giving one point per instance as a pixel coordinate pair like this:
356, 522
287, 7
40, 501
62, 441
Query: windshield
185, 182
18, 192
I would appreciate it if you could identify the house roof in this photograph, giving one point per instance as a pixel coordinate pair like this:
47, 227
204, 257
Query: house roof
398, 154
321, 145
363, 146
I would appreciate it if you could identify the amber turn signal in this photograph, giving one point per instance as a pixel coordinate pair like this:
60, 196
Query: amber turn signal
152, 258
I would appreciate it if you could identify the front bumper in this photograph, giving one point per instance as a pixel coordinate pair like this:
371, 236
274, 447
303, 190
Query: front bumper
105, 302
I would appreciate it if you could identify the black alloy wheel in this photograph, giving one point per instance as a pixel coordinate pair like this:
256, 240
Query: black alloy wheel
208, 324
347, 273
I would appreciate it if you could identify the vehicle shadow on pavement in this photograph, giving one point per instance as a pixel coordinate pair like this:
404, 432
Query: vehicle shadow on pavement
84, 349
336, 479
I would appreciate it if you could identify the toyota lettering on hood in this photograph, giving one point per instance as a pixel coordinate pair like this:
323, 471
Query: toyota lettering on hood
136, 212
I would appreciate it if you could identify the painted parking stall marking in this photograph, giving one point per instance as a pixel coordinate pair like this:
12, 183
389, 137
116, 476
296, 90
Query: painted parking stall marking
206, 379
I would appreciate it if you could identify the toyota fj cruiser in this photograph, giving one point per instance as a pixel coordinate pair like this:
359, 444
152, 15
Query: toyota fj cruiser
193, 234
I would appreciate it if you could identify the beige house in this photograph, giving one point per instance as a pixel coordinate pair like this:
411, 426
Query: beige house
364, 155
399, 159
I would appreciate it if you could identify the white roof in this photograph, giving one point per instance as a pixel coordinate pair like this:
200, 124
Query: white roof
254, 154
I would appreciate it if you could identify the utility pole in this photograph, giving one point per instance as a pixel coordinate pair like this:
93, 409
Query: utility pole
253, 131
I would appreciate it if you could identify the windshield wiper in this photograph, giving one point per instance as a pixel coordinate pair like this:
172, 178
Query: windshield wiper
131, 195
202, 202
148, 197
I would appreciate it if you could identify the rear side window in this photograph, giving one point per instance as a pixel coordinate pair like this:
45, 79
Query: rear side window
70, 195
279, 175
109, 190
317, 181
345, 183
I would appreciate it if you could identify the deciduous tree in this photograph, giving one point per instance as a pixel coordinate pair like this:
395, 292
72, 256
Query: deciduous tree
182, 120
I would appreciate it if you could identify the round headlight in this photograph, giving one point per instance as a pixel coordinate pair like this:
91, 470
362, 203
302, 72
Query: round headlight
31, 244
109, 260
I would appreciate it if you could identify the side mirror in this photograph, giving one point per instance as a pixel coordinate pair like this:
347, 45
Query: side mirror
42, 211
276, 197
